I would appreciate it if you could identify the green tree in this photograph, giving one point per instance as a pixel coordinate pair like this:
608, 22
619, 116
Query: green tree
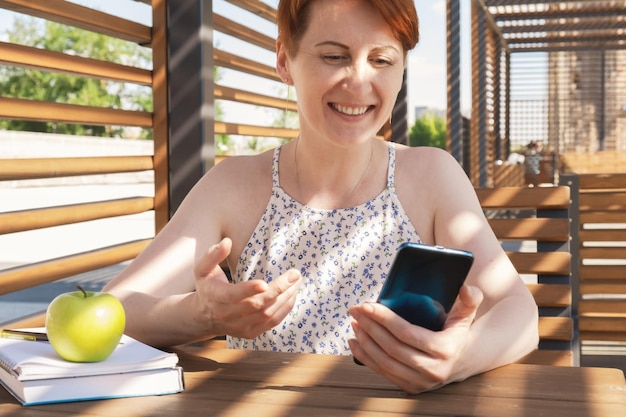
25, 83
429, 130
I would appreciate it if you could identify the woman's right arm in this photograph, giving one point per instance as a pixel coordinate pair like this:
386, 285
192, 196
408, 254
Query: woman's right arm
175, 291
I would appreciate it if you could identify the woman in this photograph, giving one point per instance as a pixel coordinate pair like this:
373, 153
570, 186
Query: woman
309, 230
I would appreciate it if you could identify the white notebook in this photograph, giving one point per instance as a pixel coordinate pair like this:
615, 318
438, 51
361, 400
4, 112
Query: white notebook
35, 374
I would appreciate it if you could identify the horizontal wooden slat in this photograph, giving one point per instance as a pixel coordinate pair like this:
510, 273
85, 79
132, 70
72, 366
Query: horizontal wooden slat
602, 308
71, 14
602, 217
608, 336
593, 165
222, 128
242, 96
36, 320
552, 295
607, 272
602, 235
19, 278
24, 56
602, 324
32, 168
605, 201
243, 33
20, 109
602, 253
548, 263
523, 197
237, 63
603, 181
603, 287
549, 357
556, 328
55, 216
257, 7
539, 229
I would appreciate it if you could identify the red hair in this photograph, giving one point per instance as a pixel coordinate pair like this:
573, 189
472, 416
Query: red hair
400, 15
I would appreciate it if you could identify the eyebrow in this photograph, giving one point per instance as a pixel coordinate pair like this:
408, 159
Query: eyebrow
342, 46
332, 43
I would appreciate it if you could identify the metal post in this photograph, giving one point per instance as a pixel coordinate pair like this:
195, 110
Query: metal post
454, 130
190, 69
399, 116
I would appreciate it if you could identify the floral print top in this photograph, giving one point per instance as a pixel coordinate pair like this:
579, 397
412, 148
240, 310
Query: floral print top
344, 256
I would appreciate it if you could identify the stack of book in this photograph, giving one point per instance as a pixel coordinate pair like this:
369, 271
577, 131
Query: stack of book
35, 374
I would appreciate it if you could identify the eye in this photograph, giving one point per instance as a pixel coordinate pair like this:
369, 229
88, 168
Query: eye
335, 58
382, 62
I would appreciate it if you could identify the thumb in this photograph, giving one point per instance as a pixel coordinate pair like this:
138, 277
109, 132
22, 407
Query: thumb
212, 258
464, 309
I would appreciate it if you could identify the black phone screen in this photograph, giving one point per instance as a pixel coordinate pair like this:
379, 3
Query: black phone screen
424, 281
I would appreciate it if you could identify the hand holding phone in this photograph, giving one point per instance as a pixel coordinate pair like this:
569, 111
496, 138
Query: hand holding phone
424, 282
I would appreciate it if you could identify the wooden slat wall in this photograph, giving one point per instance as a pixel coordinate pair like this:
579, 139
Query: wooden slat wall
17, 170
602, 251
251, 65
534, 226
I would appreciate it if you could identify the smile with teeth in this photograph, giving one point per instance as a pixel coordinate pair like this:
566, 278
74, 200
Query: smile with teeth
350, 111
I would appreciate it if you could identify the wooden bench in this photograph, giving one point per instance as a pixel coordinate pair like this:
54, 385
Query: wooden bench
533, 224
600, 162
602, 255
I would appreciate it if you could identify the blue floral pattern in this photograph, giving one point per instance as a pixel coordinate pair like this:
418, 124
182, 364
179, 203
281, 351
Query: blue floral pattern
344, 256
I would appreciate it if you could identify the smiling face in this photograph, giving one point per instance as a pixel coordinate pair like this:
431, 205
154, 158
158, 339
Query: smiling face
347, 71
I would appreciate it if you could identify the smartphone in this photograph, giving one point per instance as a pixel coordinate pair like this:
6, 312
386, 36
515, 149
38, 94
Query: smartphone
424, 281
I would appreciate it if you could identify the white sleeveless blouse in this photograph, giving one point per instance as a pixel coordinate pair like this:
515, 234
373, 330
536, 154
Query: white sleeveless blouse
344, 256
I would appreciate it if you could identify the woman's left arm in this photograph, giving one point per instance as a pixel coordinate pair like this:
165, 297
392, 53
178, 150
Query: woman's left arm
493, 322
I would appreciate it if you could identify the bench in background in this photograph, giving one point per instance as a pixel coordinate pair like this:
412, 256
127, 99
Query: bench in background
534, 226
602, 255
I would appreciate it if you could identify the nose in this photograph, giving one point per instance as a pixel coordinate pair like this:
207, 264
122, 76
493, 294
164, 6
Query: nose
358, 77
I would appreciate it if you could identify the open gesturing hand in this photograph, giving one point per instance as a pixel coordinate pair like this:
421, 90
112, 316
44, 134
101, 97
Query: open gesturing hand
244, 309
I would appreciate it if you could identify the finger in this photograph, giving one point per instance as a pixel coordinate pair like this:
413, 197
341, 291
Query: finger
267, 309
257, 296
380, 322
366, 350
286, 281
280, 295
380, 329
212, 258
465, 308
222, 291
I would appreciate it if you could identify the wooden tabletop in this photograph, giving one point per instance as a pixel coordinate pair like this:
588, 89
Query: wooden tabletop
222, 382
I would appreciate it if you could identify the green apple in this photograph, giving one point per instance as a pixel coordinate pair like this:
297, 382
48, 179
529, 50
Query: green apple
85, 326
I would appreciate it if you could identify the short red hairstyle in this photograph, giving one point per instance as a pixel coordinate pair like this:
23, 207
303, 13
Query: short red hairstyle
400, 15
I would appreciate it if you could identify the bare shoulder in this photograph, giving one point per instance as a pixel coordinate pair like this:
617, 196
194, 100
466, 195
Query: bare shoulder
232, 188
427, 163
431, 185
238, 175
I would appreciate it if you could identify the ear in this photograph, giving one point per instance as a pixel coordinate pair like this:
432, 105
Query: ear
282, 63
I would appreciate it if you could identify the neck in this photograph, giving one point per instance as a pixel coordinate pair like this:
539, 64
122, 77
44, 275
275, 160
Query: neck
331, 180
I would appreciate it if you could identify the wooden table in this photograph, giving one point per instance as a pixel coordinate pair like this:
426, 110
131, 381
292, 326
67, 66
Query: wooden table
222, 382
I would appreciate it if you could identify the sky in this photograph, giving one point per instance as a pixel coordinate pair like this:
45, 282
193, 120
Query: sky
426, 66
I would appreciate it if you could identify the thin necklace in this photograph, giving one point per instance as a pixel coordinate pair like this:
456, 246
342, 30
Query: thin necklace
356, 186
